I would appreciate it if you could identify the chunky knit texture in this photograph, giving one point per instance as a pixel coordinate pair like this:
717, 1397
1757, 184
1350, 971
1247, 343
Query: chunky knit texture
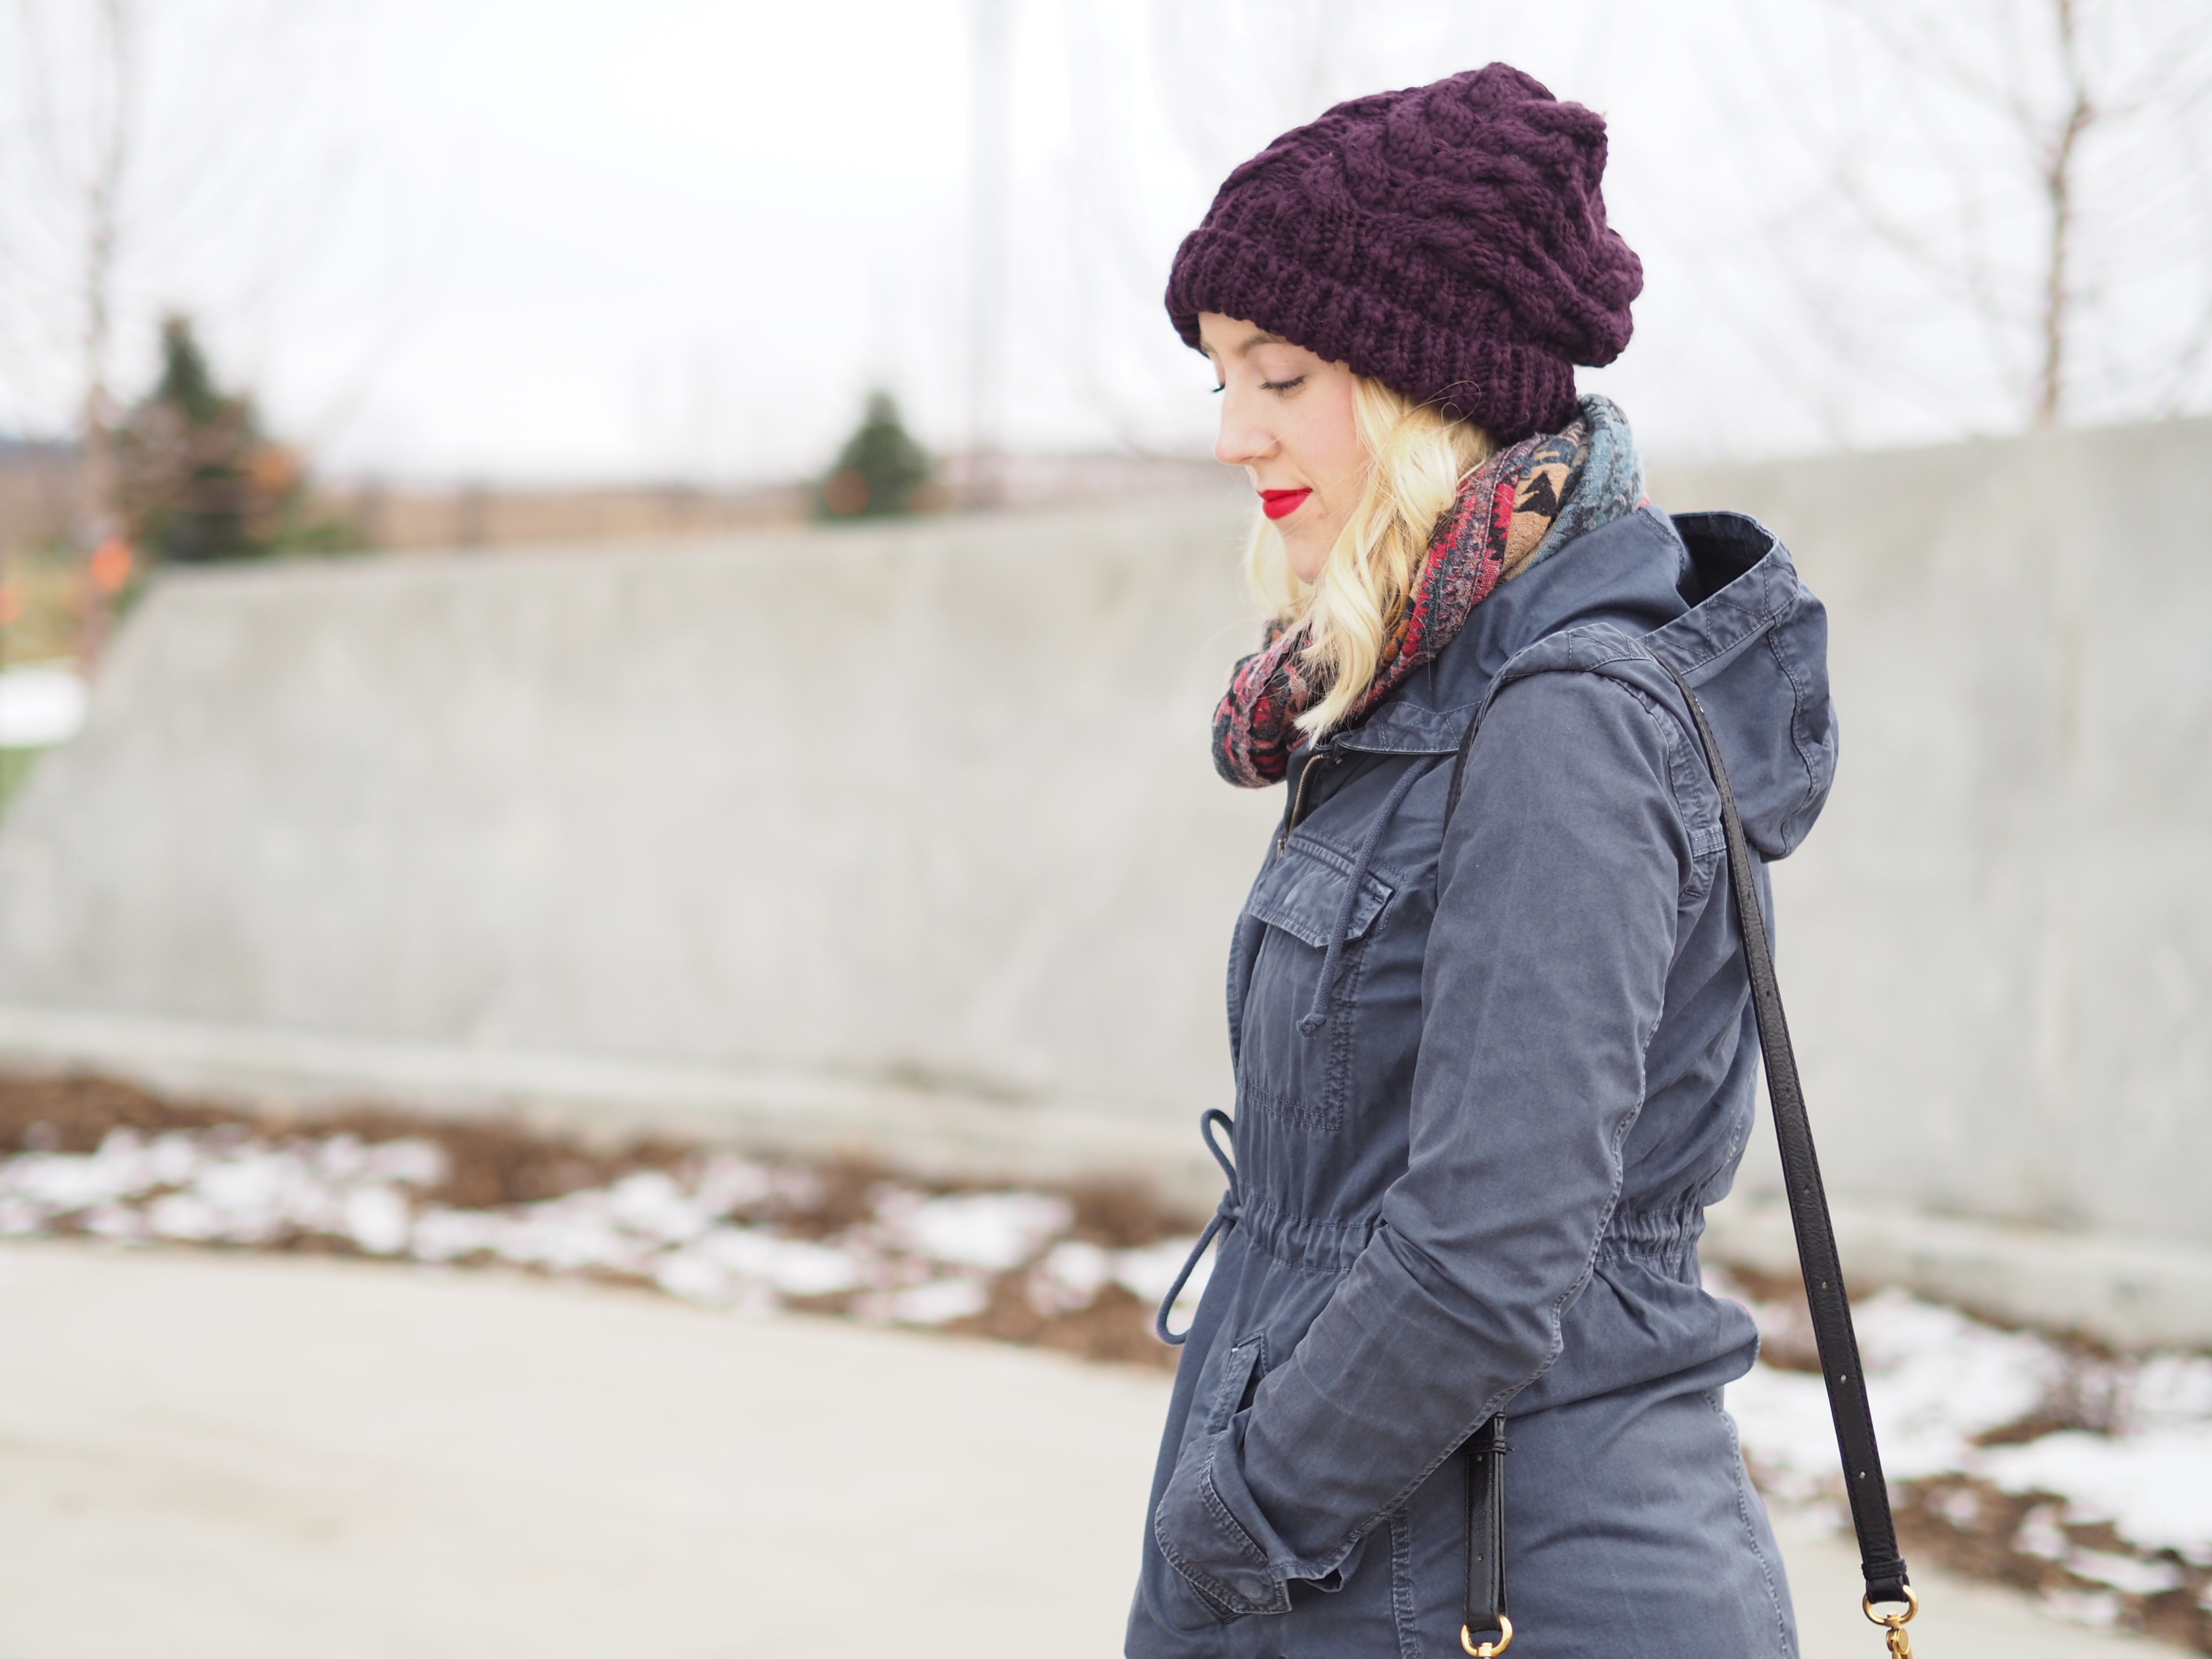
1449, 241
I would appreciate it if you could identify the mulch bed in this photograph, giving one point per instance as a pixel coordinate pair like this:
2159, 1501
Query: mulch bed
493, 1165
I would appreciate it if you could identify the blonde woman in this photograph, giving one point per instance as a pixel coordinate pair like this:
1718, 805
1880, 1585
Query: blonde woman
1493, 1043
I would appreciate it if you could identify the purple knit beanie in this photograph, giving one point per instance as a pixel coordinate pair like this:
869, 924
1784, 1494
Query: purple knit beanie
1449, 241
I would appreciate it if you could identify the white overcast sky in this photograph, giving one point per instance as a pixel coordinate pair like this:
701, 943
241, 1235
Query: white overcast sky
574, 239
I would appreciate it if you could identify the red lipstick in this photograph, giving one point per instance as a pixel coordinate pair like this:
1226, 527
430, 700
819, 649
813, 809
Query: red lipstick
1281, 503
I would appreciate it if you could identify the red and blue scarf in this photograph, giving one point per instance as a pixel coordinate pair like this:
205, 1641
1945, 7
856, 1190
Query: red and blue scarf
1513, 511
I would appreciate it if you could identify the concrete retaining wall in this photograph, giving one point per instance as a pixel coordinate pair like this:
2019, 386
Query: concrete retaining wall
1997, 944
906, 839
917, 816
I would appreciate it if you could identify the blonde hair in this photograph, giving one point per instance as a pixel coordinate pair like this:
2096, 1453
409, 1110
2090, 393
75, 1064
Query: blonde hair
1417, 460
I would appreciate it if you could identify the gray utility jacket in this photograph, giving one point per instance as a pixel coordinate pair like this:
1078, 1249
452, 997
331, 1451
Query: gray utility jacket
1492, 1061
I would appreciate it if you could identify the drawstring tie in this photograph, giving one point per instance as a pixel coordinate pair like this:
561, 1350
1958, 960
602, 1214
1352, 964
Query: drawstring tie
1224, 1215
1318, 1016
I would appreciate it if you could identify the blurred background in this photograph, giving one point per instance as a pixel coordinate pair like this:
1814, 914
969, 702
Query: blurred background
607, 622
497, 247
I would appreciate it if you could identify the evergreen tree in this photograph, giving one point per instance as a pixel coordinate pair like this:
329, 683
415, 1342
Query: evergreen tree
877, 470
195, 477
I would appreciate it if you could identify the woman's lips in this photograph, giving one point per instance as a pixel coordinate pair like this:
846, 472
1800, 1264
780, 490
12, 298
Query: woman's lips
1281, 503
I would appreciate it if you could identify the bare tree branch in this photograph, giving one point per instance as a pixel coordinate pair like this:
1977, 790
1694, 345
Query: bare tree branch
2032, 171
2058, 185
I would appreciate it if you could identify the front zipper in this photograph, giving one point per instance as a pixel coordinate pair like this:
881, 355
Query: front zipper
1299, 806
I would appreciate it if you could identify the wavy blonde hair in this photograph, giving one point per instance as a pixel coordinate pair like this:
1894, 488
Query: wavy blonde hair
1418, 458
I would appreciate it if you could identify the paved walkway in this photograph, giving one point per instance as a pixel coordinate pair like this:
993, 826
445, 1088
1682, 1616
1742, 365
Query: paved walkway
261, 1457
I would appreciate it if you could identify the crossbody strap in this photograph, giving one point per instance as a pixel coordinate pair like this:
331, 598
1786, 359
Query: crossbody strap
1879, 1562
1484, 1610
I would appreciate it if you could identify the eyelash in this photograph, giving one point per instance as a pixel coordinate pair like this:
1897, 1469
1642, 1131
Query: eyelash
1291, 385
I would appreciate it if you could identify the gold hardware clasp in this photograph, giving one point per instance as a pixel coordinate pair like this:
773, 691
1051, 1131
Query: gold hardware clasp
1492, 1649
1900, 1645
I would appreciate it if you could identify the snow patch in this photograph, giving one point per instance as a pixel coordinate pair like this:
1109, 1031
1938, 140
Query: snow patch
1941, 1380
2154, 1486
994, 1231
40, 706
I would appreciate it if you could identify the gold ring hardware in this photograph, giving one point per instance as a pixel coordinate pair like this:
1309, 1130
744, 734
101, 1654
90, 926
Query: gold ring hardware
1900, 1645
1488, 1649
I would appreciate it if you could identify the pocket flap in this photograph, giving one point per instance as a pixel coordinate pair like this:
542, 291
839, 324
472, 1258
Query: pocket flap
1232, 1393
1302, 891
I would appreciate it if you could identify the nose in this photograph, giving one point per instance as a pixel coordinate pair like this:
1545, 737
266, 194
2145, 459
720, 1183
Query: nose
1242, 441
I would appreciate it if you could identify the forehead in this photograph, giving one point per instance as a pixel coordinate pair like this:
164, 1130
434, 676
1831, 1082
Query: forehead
1233, 336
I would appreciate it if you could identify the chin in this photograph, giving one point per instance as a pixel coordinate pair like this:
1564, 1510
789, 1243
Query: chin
1306, 563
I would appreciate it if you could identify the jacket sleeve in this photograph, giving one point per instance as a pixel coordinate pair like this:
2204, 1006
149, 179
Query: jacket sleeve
1559, 889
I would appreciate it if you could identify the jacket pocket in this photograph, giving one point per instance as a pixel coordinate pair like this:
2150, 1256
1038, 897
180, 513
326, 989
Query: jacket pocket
1300, 1082
1302, 891
1241, 1371
1218, 1557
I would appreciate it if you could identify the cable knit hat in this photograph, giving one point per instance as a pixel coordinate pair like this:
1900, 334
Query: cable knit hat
1449, 241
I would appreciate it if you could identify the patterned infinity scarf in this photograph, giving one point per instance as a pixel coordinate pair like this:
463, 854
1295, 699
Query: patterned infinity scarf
1515, 511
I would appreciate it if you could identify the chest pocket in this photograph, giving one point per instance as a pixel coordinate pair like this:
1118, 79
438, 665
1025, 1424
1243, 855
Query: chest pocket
1304, 889
1299, 1079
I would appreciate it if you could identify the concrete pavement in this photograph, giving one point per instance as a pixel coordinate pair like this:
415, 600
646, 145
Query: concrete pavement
256, 1457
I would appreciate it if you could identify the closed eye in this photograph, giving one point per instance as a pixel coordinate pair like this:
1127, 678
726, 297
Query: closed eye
1291, 385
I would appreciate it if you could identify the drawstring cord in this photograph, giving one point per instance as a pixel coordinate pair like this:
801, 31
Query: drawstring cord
1318, 1016
1224, 1215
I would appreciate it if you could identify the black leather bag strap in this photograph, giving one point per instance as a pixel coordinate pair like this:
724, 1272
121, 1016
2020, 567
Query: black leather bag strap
1485, 1631
1879, 1560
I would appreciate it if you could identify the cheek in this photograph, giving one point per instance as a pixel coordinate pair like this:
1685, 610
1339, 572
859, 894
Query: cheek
1332, 439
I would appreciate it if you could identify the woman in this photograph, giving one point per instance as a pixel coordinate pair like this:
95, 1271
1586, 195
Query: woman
1494, 1045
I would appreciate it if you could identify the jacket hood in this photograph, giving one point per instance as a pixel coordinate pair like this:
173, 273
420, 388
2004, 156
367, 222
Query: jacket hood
1715, 595
1753, 645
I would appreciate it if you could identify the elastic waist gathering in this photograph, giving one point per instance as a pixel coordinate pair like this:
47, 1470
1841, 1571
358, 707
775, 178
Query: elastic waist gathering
1664, 1238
